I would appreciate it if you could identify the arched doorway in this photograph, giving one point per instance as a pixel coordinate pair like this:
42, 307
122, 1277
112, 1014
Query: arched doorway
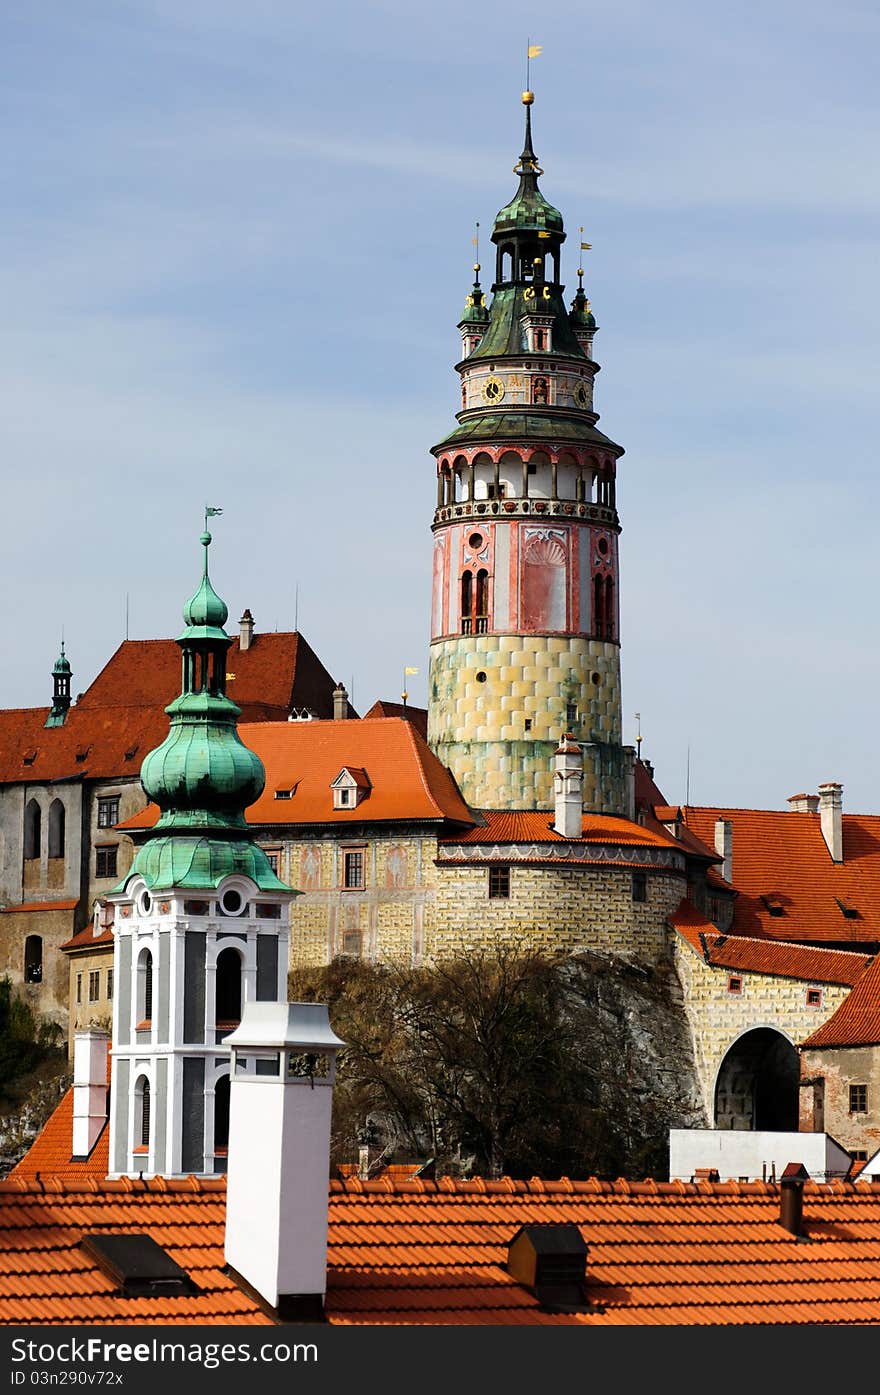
757, 1085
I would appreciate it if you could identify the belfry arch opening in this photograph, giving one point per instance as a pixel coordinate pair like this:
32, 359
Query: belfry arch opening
757, 1085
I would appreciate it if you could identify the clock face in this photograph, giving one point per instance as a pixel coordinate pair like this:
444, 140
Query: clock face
492, 390
581, 396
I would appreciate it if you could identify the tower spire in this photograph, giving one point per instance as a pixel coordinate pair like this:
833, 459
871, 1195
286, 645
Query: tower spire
202, 776
61, 675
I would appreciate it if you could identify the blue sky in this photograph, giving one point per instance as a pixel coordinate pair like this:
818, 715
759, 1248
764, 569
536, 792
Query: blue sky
234, 246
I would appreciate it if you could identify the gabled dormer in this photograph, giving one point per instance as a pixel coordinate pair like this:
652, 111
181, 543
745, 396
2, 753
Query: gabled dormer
351, 786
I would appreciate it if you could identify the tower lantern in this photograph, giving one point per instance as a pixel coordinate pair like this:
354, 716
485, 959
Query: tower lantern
524, 635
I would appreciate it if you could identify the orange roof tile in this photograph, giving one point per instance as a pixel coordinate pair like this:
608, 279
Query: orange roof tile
417, 715
121, 715
420, 1252
278, 671
767, 956
857, 1021
69, 905
407, 781
50, 1154
782, 856
503, 826
86, 938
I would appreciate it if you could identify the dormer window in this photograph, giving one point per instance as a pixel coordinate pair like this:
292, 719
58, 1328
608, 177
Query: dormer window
351, 785
773, 906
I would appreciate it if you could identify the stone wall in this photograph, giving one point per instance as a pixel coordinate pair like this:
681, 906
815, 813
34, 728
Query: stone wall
718, 1017
826, 1076
49, 997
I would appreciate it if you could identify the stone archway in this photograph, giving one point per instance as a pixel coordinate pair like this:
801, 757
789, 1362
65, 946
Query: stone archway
757, 1084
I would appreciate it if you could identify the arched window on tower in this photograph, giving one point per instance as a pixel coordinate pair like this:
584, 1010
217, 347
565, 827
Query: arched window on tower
33, 959
33, 824
145, 988
221, 1114
142, 1112
56, 828
467, 590
609, 608
598, 606
481, 602
227, 985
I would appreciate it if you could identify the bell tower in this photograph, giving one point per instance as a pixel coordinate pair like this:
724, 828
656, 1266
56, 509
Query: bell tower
202, 923
524, 632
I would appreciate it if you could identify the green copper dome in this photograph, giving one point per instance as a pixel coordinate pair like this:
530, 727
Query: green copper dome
475, 309
205, 613
202, 776
62, 663
528, 210
581, 316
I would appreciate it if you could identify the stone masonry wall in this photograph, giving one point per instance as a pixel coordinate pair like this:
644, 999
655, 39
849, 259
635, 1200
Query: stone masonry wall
718, 1017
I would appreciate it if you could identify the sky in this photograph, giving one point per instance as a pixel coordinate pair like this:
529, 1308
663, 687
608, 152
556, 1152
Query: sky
235, 241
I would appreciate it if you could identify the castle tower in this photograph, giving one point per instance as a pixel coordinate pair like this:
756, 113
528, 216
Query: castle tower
524, 633
202, 924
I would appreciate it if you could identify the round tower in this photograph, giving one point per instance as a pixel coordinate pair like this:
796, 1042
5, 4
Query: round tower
524, 631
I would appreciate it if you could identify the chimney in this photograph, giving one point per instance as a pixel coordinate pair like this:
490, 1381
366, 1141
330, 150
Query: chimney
791, 1198
831, 815
803, 803
245, 631
568, 783
724, 847
89, 1089
340, 703
282, 1070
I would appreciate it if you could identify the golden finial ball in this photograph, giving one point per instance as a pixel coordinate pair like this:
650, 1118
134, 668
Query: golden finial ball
528, 98
476, 266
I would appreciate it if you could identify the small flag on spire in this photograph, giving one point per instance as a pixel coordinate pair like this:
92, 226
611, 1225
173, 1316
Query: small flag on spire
535, 49
212, 513
587, 246
410, 670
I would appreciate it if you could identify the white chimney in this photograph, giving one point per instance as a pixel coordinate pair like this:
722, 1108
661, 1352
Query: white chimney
724, 847
831, 815
245, 631
282, 1072
89, 1089
803, 803
340, 703
568, 782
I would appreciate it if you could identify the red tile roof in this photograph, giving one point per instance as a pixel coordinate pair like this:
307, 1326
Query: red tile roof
417, 715
421, 1252
857, 1020
279, 671
86, 938
503, 826
121, 715
50, 1153
767, 956
408, 783
782, 856
39, 906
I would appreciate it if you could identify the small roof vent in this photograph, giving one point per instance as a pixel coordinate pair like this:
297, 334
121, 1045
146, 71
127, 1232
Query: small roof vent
138, 1266
551, 1260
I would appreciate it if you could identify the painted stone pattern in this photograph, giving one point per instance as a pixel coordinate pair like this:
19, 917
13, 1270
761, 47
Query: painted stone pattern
477, 726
